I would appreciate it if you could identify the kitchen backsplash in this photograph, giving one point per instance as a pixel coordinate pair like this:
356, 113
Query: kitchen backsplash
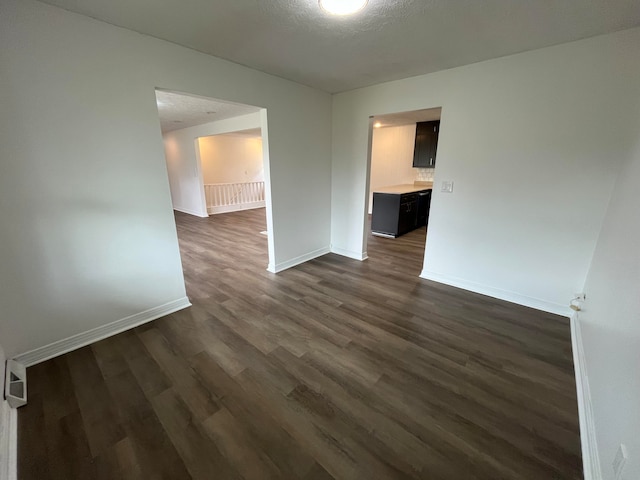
424, 174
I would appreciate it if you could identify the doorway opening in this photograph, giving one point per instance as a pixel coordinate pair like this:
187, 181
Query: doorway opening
217, 160
402, 162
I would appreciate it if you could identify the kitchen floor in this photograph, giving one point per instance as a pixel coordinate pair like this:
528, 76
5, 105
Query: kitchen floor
402, 254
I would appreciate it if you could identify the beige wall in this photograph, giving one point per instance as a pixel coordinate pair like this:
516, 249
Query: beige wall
231, 159
183, 165
392, 157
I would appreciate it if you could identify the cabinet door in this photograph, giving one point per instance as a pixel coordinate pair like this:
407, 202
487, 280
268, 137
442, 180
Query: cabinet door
426, 145
408, 216
385, 217
419, 152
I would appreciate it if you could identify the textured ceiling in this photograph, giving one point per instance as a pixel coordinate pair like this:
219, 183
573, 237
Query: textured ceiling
388, 40
179, 110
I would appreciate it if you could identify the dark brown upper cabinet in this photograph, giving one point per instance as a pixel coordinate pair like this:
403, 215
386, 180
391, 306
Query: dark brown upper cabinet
424, 154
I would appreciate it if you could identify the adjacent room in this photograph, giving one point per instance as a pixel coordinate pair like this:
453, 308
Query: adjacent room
324, 239
216, 169
232, 171
402, 167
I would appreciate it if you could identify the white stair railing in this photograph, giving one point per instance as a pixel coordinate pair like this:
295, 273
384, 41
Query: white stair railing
231, 197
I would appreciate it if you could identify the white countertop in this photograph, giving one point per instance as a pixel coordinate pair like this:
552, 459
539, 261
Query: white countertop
406, 188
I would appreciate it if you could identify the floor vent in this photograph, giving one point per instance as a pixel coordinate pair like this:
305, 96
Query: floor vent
15, 389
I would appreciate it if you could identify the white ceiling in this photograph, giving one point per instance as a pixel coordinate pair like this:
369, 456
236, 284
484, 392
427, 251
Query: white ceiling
251, 133
180, 110
388, 40
408, 118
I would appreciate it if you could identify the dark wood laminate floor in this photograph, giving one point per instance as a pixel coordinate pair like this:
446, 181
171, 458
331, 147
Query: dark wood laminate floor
333, 369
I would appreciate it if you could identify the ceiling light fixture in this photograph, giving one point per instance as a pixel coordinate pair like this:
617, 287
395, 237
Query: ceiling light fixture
377, 124
342, 7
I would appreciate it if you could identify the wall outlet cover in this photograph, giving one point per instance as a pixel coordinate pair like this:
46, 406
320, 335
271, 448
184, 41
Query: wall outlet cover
619, 461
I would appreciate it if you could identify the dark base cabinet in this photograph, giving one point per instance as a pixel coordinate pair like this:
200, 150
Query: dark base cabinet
396, 214
424, 204
385, 214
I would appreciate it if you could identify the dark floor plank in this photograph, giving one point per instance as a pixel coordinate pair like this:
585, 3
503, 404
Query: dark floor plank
239, 447
201, 457
147, 451
69, 454
31, 427
96, 405
332, 369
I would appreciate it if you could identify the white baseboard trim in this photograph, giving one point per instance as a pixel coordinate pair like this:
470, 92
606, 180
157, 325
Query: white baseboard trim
235, 208
498, 293
362, 256
8, 442
13, 444
590, 456
190, 212
91, 336
279, 267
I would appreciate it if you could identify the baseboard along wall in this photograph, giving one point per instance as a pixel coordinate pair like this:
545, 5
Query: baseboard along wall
589, 444
279, 267
191, 212
498, 293
235, 208
82, 339
361, 256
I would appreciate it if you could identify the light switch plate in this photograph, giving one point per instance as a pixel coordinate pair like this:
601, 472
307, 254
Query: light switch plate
447, 187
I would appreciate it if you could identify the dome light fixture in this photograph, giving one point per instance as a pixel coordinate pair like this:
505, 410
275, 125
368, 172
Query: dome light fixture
342, 7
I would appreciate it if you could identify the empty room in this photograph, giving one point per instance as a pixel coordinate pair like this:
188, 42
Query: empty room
151, 333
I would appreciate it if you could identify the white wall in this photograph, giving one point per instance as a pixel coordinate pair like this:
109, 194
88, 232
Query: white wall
88, 234
3, 360
4, 424
392, 157
183, 165
532, 142
231, 159
610, 320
